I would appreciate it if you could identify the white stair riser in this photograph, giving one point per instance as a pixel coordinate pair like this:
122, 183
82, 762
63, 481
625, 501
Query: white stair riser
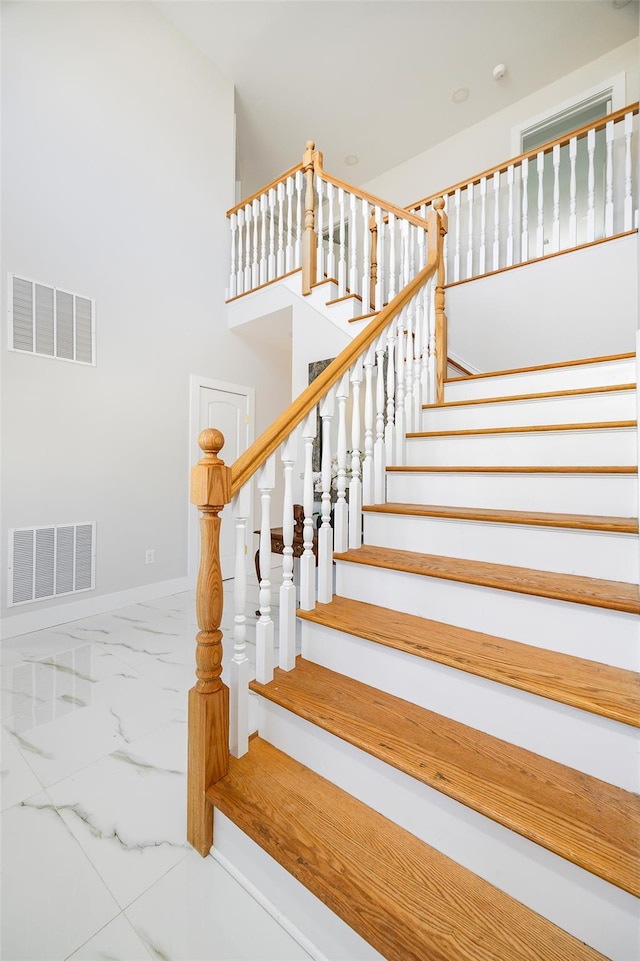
591, 553
554, 448
595, 745
589, 908
567, 409
603, 494
578, 629
324, 935
574, 377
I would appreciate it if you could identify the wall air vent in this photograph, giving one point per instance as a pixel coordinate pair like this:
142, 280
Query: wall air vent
50, 322
50, 561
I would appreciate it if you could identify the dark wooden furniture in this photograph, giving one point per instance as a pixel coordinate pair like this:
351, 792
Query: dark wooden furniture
277, 541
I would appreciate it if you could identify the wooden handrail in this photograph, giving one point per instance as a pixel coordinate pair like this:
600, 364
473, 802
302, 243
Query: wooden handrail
263, 190
256, 455
402, 212
579, 133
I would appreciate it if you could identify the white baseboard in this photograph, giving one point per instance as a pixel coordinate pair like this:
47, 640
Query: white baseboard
88, 607
463, 363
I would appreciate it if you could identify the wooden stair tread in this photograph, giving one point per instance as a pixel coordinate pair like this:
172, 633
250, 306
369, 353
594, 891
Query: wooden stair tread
578, 817
555, 366
588, 522
528, 429
539, 395
575, 588
611, 692
406, 899
529, 469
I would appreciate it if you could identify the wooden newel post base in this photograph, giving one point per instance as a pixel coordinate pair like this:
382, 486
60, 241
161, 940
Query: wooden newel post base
208, 756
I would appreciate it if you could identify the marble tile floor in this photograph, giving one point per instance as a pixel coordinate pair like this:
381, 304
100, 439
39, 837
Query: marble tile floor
94, 859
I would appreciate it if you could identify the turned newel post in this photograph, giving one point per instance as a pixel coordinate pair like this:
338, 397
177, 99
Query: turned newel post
441, 317
309, 235
209, 700
373, 230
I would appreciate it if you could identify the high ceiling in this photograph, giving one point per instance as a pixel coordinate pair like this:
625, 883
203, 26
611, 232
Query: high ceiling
373, 79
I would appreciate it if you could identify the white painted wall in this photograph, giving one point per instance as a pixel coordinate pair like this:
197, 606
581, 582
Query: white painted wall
117, 168
583, 303
489, 142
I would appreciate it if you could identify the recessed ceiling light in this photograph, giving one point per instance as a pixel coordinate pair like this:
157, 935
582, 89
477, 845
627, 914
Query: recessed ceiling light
499, 71
351, 160
460, 95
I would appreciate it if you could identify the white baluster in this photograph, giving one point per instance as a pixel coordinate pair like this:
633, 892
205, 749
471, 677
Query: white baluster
240, 666
628, 198
265, 482
271, 262
608, 207
424, 344
233, 224
409, 396
255, 260
555, 231
366, 258
496, 220
540, 230
353, 248
355, 483
263, 240
456, 256
368, 496
308, 561
470, 230
483, 225
280, 254
379, 459
510, 181
342, 261
591, 186
340, 512
391, 397
400, 389
288, 259
240, 269
331, 256
381, 277
297, 254
320, 229
325, 534
573, 217
524, 242
287, 630
392, 258
248, 221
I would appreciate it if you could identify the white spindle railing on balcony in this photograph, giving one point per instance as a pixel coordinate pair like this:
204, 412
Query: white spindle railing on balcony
576, 190
369, 248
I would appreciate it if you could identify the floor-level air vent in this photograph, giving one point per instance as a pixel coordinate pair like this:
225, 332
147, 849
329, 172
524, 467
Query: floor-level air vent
50, 322
50, 561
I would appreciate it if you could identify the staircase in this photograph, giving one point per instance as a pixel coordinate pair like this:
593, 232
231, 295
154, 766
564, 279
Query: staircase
449, 771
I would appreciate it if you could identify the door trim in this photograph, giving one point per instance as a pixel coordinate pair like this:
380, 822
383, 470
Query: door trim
196, 382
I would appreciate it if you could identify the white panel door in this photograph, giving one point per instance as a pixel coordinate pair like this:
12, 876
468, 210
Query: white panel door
229, 409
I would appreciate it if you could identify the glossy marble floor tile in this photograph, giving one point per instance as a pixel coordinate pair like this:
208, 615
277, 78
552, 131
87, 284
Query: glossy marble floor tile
94, 861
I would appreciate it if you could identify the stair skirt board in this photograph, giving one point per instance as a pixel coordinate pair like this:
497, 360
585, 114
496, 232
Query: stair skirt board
597, 746
555, 408
556, 447
319, 931
590, 909
594, 633
567, 377
585, 493
596, 553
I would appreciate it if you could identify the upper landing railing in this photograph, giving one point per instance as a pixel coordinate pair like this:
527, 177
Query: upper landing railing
569, 192
312, 221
